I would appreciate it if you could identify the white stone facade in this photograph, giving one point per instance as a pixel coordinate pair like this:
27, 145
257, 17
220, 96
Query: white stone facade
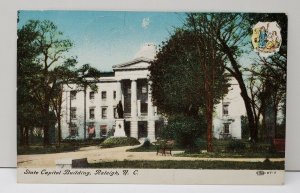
227, 116
127, 83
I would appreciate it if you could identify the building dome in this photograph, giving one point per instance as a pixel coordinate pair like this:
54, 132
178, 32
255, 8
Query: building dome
147, 50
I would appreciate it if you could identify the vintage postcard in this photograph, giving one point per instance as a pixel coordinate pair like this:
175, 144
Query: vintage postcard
151, 97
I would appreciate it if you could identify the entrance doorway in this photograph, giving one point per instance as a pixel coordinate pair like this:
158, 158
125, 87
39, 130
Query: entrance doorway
142, 129
127, 128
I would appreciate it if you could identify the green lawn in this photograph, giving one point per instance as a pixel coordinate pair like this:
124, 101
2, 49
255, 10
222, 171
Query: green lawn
168, 164
232, 155
220, 151
65, 146
151, 148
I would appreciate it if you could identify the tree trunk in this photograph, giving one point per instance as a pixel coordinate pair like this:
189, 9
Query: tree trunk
209, 121
59, 130
46, 125
252, 124
58, 117
46, 135
275, 121
26, 140
31, 136
84, 124
237, 74
21, 135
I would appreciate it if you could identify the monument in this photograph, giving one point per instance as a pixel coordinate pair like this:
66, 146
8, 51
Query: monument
120, 121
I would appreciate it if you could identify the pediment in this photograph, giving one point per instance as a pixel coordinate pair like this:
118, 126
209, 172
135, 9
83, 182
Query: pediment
139, 63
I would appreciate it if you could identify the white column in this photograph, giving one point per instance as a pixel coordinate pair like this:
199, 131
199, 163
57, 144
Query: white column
97, 130
133, 99
118, 91
151, 121
150, 104
134, 121
151, 130
134, 128
139, 108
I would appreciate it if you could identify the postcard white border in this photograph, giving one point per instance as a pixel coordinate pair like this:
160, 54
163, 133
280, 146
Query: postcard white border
151, 176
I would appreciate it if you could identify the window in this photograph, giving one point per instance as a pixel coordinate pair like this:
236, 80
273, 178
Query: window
103, 95
73, 130
73, 113
92, 113
73, 94
144, 89
115, 94
91, 130
104, 112
115, 112
226, 128
225, 109
144, 107
103, 130
92, 95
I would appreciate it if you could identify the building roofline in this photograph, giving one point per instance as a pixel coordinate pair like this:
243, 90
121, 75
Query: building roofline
137, 60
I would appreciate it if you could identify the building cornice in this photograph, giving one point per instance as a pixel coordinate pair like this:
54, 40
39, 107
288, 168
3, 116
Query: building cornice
135, 61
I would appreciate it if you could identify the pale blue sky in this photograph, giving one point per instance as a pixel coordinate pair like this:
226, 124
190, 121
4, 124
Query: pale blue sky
104, 39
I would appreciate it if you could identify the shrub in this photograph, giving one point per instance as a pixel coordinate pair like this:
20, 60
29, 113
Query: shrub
146, 143
200, 143
110, 132
186, 131
119, 141
236, 146
81, 142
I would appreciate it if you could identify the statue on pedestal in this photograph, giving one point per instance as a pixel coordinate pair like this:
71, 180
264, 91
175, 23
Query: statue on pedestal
120, 121
120, 110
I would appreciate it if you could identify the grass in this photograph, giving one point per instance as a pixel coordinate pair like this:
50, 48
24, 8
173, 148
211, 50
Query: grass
65, 146
220, 151
168, 164
151, 148
232, 155
119, 141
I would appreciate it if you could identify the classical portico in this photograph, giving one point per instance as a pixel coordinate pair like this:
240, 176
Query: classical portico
125, 91
134, 90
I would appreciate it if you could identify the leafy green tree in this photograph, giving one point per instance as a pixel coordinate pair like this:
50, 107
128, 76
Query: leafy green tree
188, 77
272, 72
26, 81
87, 77
64, 73
42, 51
230, 33
51, 48
186, 131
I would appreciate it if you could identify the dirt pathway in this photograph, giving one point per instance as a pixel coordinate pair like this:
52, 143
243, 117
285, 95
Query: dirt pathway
95, 154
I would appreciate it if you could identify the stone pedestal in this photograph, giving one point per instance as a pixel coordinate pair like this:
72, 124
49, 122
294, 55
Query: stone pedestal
120, 128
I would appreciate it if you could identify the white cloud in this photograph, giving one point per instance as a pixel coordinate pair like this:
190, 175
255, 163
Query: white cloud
145, 22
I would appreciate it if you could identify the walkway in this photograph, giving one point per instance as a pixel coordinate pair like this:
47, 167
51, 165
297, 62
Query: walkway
96, 154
